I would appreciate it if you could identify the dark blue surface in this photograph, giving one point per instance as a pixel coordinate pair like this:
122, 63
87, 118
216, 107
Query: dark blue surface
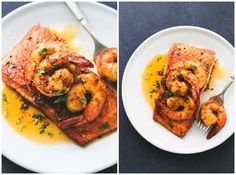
137, 22
7, 165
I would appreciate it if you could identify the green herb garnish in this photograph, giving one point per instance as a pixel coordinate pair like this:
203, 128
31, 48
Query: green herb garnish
158, 84
170, 94
105, 125
170, 125
61, 99
54, 66
50, 134
4, 98
12, 65
38, 118
43, 128
83, 100
41, 71
43, 51
75, 75
178, 73
152, 91
82, 81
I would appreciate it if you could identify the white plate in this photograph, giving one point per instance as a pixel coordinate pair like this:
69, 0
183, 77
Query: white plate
140, 113
63, 157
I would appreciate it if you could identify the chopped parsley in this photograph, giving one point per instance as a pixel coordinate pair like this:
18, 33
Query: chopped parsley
50, 134
152, 91
178, 73
4, 98
158, 84
43, 128
170, 124
43, 51
170, 94
54, 66
105, 125
83, 100
38, 118
82, 81
41, 71
61, 99
75, 75
12, 65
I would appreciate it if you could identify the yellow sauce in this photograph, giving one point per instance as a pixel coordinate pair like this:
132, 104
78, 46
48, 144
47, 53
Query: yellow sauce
70, 33
23, 122
217, 74
151, 78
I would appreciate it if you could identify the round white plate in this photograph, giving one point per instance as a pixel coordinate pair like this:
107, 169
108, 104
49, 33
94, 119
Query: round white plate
64, 157
140, 113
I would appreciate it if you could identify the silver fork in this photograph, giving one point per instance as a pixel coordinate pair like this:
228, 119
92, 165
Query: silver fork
83, 21
219, 98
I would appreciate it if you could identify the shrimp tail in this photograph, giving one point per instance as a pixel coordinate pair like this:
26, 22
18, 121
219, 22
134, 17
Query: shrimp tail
80, 61
217, 127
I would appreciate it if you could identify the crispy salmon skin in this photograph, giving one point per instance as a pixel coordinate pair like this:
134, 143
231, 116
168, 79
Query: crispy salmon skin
14, 75
178, 54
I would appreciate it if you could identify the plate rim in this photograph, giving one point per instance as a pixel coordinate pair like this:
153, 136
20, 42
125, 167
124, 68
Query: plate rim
4, 20
169, 29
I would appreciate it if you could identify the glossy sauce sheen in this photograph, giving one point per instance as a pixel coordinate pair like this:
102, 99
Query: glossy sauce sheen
151, 78
217, 74
23, 122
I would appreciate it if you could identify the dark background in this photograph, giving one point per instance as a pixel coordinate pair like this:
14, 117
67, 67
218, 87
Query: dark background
7, 165
138, 21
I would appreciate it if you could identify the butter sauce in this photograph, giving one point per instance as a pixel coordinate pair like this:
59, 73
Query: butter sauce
29, 121
151, 79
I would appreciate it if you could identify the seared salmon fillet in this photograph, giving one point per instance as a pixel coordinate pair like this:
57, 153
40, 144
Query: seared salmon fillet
14, 75
178, 54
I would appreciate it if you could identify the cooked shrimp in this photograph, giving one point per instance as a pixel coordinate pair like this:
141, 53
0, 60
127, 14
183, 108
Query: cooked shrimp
179, 108
87, 84
180, 81
55, 74
213, 114
106, 64
195, 68
53, 49
40, 52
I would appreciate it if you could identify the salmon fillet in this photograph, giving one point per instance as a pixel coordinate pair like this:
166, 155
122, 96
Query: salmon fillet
180, 52
14, 76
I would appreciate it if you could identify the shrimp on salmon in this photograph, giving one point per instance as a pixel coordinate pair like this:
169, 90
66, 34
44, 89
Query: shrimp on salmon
87, 85
196, 68
180, 81
213, 114
40, 52
106, 64
55, 75
179, 108
48, 48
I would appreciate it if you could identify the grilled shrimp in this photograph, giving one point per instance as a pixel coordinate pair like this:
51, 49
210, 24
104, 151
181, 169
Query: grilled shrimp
180, 108
106, 64
87, 84
40, 52
213, 114
195, 68
54, 49
55, 75
180, 81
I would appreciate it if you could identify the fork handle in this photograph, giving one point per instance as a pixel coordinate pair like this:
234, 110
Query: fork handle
80, 16
229, 82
